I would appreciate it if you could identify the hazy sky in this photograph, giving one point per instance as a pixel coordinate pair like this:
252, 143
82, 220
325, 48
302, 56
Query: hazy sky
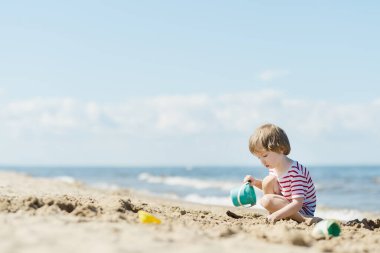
186, 82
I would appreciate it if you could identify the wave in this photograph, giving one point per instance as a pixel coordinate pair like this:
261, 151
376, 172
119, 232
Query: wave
185, 181
66, 179
209, 200
376, 180
101, 185
106, 186
344, 214
213, 200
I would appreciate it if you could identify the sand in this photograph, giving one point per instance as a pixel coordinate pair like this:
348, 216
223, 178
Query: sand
46, 215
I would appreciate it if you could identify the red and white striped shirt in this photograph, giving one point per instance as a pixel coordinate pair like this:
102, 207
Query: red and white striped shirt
297, 183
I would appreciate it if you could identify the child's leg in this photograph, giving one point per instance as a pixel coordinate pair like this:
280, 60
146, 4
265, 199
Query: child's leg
274, 202
270, 185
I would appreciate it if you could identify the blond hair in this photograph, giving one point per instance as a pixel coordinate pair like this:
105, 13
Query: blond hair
269, 137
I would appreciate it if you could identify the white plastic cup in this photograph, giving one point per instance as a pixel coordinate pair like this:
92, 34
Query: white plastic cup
326, 229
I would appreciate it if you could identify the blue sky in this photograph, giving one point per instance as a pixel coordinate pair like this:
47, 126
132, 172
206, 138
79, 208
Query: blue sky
185, 83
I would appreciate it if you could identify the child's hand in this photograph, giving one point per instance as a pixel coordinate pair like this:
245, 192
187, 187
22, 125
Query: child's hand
272, 218
250, 179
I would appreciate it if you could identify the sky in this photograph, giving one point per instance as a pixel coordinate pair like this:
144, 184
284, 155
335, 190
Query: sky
185, 83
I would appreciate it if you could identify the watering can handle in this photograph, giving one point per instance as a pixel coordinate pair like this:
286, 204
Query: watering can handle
241, 188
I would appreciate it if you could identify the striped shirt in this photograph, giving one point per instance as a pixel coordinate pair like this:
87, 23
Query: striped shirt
297, 183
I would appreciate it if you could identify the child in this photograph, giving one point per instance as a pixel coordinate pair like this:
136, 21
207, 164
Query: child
289, 191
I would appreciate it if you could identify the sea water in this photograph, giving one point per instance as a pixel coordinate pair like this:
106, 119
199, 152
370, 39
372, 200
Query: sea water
343, 192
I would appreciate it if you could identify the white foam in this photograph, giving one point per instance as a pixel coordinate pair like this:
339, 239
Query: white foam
189, 182
106, 186
66, 179
344, 214
212, 200
195, 198
164, 195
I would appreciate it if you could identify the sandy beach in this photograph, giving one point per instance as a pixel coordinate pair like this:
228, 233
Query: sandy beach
46, 215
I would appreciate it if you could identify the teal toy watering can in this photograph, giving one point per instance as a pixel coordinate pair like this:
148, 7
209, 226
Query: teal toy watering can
243, 195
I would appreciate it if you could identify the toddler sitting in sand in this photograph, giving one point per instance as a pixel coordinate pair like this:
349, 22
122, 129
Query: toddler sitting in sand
288, 190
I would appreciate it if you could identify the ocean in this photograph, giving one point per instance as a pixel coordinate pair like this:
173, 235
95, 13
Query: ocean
343, 192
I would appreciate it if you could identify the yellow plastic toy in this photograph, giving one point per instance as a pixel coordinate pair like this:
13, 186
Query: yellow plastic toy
146, 218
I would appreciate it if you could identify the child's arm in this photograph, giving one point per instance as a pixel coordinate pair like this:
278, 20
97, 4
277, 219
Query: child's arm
254, 182
258, 183
288, 210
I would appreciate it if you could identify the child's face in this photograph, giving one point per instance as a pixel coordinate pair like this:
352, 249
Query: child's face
269, 159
